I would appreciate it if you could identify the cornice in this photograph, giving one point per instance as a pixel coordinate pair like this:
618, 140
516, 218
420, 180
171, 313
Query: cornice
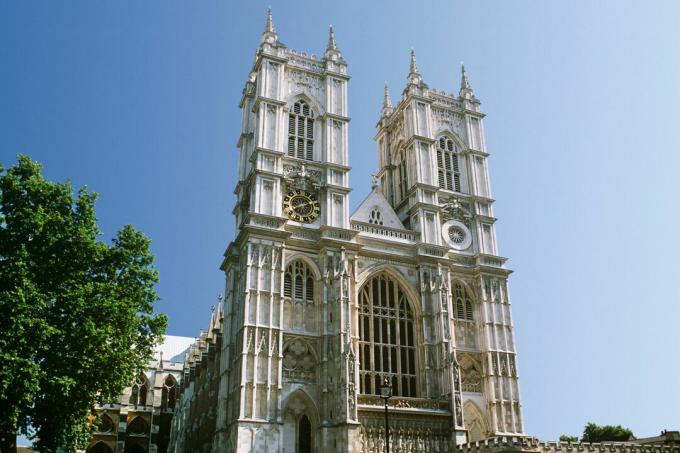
335, 116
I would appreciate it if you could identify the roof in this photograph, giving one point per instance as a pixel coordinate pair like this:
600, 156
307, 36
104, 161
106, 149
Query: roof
173, 348
377, 201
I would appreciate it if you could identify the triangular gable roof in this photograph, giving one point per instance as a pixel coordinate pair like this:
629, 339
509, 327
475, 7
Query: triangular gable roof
376, 201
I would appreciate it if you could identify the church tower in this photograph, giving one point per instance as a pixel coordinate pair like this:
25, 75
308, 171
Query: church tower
288, 383
433, 172
322, 309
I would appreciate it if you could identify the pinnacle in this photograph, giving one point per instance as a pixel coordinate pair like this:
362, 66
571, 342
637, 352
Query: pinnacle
413, 68
387, 100
464, 82
331, 40
269, 27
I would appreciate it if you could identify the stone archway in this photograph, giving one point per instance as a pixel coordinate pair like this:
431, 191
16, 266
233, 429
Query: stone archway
474, 422
300, 424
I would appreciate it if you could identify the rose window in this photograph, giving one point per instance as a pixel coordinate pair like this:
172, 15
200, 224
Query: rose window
456, 234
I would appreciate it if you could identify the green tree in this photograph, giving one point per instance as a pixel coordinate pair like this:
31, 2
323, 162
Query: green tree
567, 438
77, 320
606, 433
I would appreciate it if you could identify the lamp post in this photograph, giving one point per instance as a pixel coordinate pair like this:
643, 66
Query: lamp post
386, 393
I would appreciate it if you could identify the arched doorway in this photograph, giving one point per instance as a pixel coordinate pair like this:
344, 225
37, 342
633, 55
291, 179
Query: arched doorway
300, 422
304, 440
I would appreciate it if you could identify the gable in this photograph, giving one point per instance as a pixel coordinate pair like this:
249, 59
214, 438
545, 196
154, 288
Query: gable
376, 210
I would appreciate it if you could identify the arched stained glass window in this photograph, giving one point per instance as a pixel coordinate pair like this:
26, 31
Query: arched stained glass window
301, 131
463, 303
447, 165
387, 346
298, 282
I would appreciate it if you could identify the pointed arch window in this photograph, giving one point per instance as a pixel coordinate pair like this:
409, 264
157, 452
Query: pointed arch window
402, 177
301, 131
138, 427
169, 393
298, 282
387, 345
105, 425
139, 391
463, 303
447, 165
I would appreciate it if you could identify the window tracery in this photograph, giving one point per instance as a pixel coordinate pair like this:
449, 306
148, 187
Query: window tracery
298, 361
470, 373
447, 165
386, 338
138, 427
301, 131
169, 394
463, 303
139, 391
298, 282
375, 217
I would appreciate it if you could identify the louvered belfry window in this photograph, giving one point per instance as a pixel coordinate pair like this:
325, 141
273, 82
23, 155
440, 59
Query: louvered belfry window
447, 165
463, 303
298, 282
387, 346
301, 131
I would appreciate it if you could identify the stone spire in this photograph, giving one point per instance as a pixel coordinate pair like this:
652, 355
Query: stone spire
269, 35
414, 77
387, 101
465, 88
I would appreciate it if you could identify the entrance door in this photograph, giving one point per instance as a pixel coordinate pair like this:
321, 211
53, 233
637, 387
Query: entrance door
304, 435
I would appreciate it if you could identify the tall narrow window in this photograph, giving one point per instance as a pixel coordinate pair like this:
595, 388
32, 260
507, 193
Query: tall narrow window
301, 131
387, 345
402, 177
138, 392
298, 282
169, 394
447, 165
463, 303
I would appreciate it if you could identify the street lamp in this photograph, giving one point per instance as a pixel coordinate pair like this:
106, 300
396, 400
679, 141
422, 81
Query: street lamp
386, 393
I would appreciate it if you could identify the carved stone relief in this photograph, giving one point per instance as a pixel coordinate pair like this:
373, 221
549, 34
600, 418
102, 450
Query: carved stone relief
299, 362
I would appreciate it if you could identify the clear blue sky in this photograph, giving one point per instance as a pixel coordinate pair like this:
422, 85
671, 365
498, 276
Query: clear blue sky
139, 101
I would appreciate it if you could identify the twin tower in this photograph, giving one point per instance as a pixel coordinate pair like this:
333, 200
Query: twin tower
322, 308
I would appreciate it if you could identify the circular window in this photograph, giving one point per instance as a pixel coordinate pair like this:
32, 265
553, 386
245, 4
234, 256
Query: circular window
456, 235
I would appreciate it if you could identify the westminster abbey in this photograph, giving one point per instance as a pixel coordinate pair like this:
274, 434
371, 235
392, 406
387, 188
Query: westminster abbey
323, 307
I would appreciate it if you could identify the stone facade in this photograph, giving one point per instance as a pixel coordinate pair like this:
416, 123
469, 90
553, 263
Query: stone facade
141, 418
320, 306
533, 445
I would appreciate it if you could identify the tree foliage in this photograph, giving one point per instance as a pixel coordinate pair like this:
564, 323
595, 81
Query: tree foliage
77, 320
567, 438
606, 433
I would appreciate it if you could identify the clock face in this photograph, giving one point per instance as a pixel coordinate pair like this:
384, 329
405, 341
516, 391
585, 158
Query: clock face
301, 206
